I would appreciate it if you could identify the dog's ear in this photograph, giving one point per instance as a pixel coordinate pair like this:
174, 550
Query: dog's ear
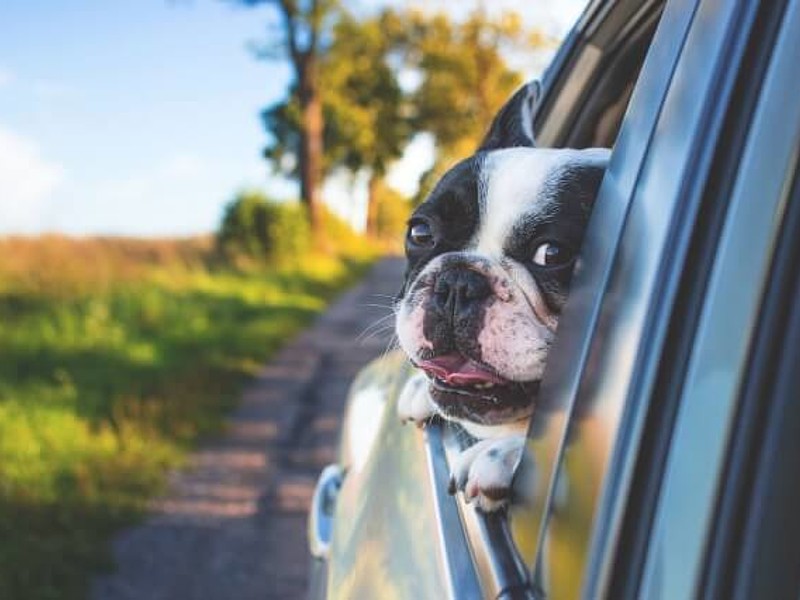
513, 125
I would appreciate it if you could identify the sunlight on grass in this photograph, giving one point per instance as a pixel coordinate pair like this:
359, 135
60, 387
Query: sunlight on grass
115, 358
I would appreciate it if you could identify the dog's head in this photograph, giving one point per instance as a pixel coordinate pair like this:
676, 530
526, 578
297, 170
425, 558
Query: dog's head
490, 255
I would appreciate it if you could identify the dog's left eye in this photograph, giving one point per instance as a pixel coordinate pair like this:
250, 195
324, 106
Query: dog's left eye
420, 233
551, 254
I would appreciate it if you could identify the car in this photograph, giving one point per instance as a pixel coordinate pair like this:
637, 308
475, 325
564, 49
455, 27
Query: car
664, 447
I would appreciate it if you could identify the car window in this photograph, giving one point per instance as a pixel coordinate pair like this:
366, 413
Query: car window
584, 107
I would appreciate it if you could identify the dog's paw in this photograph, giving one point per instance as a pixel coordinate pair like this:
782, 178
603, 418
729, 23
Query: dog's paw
414, 403
485, 470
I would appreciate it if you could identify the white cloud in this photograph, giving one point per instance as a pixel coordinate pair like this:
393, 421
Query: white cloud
179, 193
346, 196
27, 181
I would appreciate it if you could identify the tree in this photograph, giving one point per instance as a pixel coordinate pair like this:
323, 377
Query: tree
365, 122
364, 102
465, 79
304, 25
367, 118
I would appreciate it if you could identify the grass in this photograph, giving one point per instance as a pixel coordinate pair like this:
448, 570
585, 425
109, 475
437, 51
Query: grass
116, 356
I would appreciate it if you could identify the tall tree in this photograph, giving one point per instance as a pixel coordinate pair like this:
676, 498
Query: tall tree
304, 26
364, 101
465, 79
366, 125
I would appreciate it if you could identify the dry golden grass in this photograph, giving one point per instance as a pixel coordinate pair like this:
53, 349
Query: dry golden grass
62, 264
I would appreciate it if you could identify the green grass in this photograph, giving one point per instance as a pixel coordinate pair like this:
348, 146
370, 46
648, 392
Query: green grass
105, 385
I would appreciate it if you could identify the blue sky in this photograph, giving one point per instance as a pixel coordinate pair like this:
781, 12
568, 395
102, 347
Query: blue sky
141, 117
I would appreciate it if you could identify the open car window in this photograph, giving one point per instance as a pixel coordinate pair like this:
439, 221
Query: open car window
587, 93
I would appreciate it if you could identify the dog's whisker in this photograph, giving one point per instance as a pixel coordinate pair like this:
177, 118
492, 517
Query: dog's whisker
377, 333
379, 320
370, 330
382, 320
373, 305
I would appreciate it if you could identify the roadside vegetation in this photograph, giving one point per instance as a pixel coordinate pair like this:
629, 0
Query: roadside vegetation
117, 355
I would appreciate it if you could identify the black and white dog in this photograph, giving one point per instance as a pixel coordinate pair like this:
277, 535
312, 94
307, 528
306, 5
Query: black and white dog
490, 255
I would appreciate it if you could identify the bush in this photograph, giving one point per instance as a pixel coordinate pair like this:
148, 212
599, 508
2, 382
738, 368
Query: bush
289, 232
257, 228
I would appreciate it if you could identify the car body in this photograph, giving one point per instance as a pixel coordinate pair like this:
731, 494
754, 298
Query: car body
664, 445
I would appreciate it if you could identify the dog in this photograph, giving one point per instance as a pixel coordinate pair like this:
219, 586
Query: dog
490, 253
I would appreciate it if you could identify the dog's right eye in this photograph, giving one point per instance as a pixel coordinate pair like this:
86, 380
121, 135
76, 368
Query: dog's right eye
551, 254
420, 233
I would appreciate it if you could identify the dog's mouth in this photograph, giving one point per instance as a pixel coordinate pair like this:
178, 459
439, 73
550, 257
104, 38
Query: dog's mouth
467, 389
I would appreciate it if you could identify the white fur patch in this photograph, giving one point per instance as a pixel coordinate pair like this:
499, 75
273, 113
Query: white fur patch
414, 403
410, 316
513, 183
487, 468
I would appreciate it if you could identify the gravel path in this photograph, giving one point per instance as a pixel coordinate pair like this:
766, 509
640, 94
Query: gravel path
232, 525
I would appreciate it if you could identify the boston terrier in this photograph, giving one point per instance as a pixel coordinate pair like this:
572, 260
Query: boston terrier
490, 255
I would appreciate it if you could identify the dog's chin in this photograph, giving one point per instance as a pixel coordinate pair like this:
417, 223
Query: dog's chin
495, 405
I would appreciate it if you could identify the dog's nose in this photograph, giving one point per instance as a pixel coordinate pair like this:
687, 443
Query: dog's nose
459, 290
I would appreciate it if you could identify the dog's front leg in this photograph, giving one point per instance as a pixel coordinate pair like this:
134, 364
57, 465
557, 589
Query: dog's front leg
414, 403
485, 470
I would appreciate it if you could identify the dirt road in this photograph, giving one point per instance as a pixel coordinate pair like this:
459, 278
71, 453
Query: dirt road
232, 525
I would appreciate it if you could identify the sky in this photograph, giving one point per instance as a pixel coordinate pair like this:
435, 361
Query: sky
140, 117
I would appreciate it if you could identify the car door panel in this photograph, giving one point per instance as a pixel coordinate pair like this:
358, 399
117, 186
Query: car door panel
389, 518
637, 297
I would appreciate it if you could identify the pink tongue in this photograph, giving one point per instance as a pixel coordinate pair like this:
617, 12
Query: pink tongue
457, 370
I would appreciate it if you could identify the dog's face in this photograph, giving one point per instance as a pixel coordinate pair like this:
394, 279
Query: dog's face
490, 255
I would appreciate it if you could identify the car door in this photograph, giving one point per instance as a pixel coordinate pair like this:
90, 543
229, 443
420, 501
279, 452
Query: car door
382, 522
617, 397
648, 390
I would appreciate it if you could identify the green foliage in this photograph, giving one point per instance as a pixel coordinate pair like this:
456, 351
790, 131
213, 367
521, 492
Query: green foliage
364, 104
465, 77
365, 122
107, 379
290, 233
254, 227
283, 122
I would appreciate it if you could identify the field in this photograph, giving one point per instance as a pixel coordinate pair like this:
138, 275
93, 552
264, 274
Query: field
117, 355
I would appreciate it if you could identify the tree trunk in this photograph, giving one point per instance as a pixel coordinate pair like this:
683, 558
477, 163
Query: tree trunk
372, 205
311, 148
